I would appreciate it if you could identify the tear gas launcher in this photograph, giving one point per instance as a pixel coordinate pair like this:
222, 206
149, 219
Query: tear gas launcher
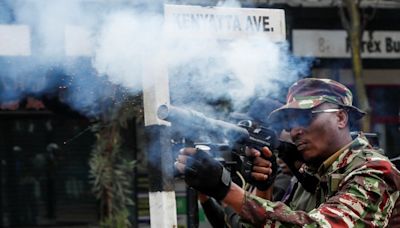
195, 126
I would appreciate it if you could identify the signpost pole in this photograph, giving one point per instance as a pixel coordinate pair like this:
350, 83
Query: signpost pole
160, 161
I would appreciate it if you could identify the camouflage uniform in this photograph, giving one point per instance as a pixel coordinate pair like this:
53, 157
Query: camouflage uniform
357, 186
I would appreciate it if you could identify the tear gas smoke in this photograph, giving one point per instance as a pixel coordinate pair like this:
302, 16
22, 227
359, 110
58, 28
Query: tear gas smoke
126, 36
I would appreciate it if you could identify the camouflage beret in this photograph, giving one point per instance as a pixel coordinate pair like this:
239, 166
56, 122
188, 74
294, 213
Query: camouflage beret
311, 92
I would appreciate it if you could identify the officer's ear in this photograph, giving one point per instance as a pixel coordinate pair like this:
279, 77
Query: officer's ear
342, 118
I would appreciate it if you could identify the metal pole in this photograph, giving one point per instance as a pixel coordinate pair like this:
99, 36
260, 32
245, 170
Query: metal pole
160, 161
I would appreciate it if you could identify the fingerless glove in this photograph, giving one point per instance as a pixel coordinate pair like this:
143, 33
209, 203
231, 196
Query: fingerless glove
207, 175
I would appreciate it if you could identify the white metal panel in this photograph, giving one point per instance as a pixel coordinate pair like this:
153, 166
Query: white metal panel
15, 40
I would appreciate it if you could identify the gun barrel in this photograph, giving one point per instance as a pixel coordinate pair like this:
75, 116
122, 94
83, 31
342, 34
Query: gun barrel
191, 120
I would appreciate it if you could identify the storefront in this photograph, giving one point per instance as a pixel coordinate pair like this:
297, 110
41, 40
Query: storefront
317, 33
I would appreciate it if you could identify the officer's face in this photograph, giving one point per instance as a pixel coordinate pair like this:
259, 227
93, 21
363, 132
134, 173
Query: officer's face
317, 132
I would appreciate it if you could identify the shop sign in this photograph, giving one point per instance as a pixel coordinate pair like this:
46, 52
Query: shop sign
336, 44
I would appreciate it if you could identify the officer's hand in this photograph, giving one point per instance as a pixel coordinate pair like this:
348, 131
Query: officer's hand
203, 173
260, 167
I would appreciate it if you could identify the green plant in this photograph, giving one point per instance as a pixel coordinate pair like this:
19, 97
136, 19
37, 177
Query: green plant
111, 166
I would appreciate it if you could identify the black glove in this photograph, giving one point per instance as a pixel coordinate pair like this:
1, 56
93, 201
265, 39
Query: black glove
207, 175
247, 169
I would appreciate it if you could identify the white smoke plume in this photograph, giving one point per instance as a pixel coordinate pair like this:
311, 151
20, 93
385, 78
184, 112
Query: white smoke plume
126, 36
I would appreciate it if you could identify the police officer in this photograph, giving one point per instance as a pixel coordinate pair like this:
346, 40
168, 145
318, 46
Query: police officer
356, 185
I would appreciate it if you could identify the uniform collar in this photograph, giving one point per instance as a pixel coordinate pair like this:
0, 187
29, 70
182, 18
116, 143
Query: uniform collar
343, 156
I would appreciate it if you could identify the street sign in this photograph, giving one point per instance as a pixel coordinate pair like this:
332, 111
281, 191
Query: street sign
224, 22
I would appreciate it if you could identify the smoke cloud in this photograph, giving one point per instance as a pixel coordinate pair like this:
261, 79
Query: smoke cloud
126, 37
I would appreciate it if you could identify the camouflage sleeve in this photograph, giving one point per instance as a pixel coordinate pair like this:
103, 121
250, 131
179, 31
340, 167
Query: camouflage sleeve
261, 212
366, 198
